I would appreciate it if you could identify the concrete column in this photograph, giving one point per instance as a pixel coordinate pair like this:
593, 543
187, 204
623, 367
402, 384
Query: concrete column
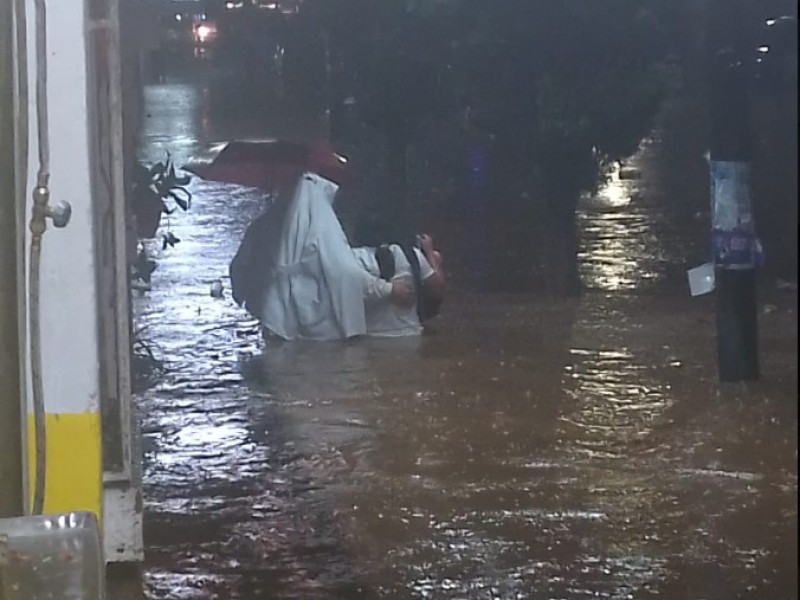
69, 299
10, 393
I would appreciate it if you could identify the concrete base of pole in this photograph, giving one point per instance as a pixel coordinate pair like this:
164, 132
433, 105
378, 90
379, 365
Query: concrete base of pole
737, 325
124, 582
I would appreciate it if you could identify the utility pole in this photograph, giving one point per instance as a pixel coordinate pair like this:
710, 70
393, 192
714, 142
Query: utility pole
11, 503
734, 241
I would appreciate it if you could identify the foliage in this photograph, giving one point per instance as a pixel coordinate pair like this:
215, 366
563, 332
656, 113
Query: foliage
160, 190
391, 54
143, 267
572, 86
146, 366
161, 183
156, 190
399, 72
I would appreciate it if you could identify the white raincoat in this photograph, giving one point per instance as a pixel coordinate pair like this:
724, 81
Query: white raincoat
313, 287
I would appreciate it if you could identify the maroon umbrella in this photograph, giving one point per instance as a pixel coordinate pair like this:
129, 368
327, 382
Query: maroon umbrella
267, 164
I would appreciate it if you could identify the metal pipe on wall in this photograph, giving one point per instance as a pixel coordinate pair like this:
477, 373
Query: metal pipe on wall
11, 502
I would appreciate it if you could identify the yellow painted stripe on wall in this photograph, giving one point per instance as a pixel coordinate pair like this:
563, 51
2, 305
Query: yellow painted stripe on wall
74, 469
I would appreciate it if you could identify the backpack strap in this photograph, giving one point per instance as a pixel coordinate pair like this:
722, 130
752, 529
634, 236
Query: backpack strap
409, 249
385, 259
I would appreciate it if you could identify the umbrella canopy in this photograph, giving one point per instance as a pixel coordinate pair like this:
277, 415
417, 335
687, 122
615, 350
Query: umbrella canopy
325, 161
267, 164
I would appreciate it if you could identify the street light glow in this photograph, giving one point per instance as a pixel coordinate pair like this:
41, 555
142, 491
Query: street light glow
203, 33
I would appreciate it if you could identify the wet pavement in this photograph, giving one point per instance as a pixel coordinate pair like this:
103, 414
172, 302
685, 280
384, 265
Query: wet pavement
526, 448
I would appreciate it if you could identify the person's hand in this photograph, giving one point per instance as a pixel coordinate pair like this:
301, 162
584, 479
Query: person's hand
403, 294
426, 242
434, 256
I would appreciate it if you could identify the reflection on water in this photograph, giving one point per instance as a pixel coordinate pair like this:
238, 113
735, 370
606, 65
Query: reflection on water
526, 449
617, 401
179, 127
184, 118
625, 241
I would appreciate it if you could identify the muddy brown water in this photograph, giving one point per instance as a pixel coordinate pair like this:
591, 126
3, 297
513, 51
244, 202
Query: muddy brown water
525, 448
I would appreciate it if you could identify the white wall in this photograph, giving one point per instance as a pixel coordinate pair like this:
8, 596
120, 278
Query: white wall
73, 258
68, 288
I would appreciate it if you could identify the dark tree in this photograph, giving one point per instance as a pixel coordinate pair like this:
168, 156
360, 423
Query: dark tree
569, 86
562, 88
565, 89
391, 57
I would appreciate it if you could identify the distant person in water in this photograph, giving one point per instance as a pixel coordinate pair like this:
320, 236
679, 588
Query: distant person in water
296, 273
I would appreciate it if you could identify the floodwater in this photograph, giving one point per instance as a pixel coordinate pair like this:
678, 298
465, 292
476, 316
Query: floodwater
525, 448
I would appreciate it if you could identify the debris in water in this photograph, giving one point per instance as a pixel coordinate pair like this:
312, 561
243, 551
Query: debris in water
629, 173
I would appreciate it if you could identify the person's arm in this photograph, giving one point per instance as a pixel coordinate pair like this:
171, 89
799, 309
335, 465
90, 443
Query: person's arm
436, 285
434, 279
400, 292
375, 289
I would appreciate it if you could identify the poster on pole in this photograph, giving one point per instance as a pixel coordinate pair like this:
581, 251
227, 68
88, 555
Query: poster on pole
733, 234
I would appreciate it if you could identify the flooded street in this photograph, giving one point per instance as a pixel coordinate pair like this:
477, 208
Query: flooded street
526, 448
